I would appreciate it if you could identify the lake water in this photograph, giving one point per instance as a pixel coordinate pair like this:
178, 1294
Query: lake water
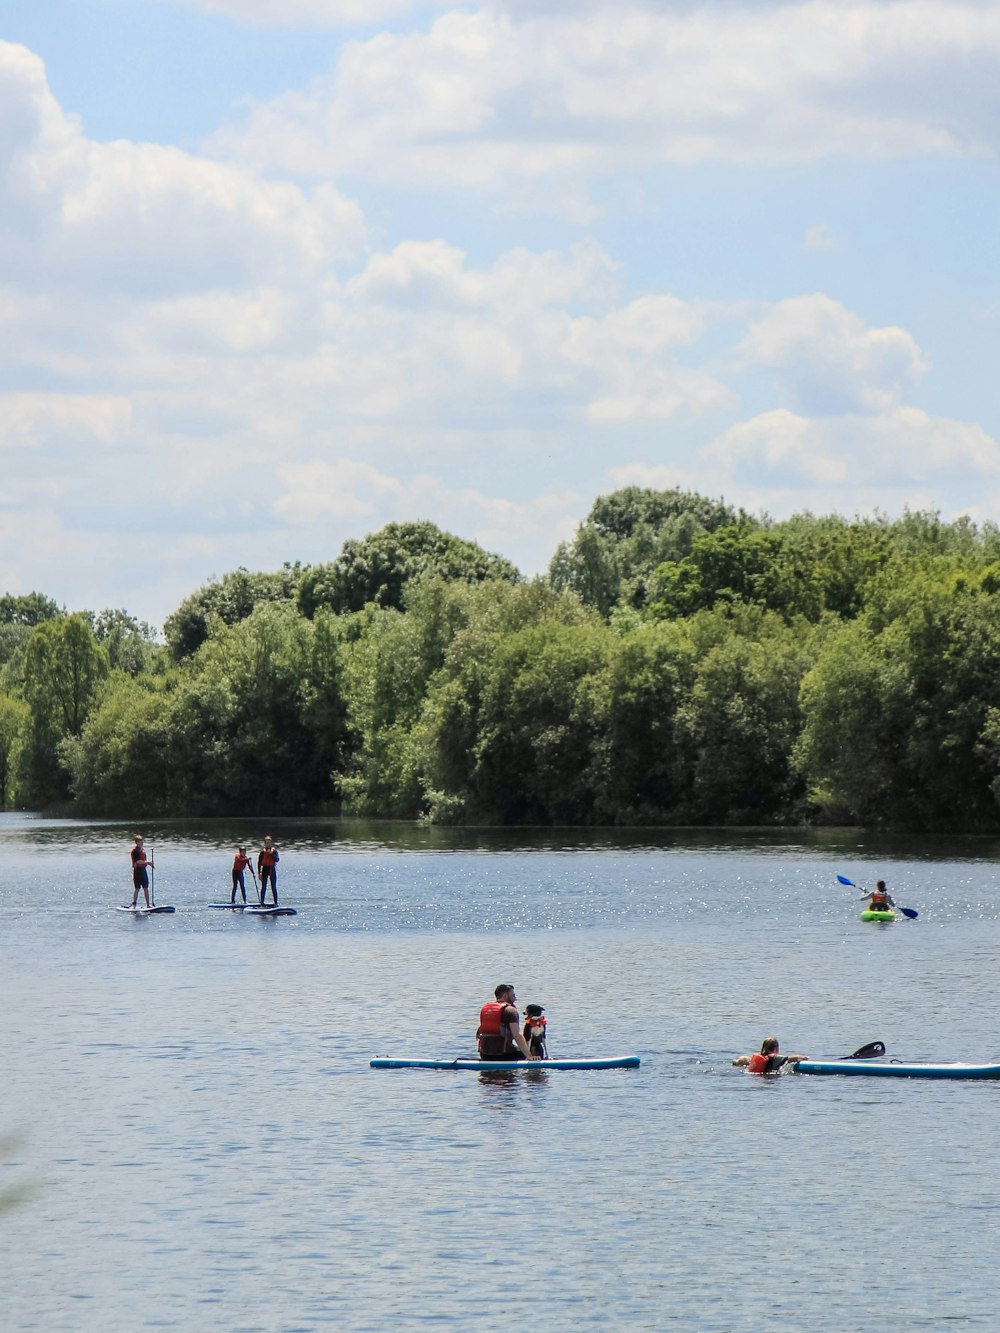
189, 1096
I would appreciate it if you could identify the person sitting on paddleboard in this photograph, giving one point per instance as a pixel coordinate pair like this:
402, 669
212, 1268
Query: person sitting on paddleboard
534, 1030
879, 900
766, 1060
499, 1033
267, 862
140, 879
240, 863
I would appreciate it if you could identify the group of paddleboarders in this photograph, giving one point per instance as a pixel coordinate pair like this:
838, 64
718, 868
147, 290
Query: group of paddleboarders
499, 1035
267, 869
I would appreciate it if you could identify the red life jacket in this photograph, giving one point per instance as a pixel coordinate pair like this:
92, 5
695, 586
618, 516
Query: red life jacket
493, 1034
879, 902
759, 1064
241, 862
267, 858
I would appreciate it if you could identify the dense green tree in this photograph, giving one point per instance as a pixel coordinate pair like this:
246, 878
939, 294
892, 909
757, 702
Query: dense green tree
242, 733
378, 568
540, 725
250, 723
626, 536
739, 723
131, 643
27, 609
14, 719
64, 667
123, 762
230, 599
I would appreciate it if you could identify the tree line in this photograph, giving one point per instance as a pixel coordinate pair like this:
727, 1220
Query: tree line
681, 662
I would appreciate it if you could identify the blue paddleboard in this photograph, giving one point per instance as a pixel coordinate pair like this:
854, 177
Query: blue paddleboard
896, 1069
144, 911
507, 1066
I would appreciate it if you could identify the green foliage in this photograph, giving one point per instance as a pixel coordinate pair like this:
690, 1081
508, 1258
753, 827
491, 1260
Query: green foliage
683, 663
252, 723
378, 568
230, 599
14, 719
64, 666
131, 643
626, 536
28, 609
123, 760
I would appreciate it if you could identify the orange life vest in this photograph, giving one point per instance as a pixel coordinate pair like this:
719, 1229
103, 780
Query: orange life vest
493, 1034
534, 1030
759, 1064
268, 858
241, 862
880, 901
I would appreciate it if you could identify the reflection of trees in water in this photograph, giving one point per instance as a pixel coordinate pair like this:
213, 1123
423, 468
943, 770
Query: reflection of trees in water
12, 1195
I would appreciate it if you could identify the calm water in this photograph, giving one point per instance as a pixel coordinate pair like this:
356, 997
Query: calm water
191, 1097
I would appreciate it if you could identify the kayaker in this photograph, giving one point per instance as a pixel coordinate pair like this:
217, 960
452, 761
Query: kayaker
534, 1030
267, 868
499, 1033
140, 879
767, 1060
879, 900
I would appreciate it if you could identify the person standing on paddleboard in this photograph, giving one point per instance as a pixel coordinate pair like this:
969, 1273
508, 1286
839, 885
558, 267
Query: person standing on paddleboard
240, 863
267, 869
499, 1033
140, 879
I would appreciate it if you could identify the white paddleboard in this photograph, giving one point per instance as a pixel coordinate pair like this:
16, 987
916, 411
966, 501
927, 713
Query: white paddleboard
144, 911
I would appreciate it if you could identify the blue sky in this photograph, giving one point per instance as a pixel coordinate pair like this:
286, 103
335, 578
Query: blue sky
275, 272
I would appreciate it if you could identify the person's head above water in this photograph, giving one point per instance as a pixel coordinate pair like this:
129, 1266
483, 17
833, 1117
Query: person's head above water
880, 885
769, 1046
502, 990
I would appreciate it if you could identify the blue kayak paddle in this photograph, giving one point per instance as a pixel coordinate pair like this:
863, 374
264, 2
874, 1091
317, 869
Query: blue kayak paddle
910, 912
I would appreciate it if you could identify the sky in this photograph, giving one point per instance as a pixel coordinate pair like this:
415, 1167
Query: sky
274, 273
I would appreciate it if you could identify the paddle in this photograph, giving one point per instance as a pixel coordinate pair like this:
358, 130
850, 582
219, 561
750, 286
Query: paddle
260, 900
152, 878
869, 1052
909, 912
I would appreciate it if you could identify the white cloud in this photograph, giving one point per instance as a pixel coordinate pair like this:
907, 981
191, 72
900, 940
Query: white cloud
29, 420
826, 360
136, 219
895, 450
819, 239
541, 101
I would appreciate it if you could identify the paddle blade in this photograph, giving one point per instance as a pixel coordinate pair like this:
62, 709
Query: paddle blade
842, 879
869, 1052
910, 912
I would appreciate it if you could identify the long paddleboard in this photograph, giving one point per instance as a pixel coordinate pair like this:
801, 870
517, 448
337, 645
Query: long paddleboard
508, 1066
256, 910
894, 1069
230, 907
144, 911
